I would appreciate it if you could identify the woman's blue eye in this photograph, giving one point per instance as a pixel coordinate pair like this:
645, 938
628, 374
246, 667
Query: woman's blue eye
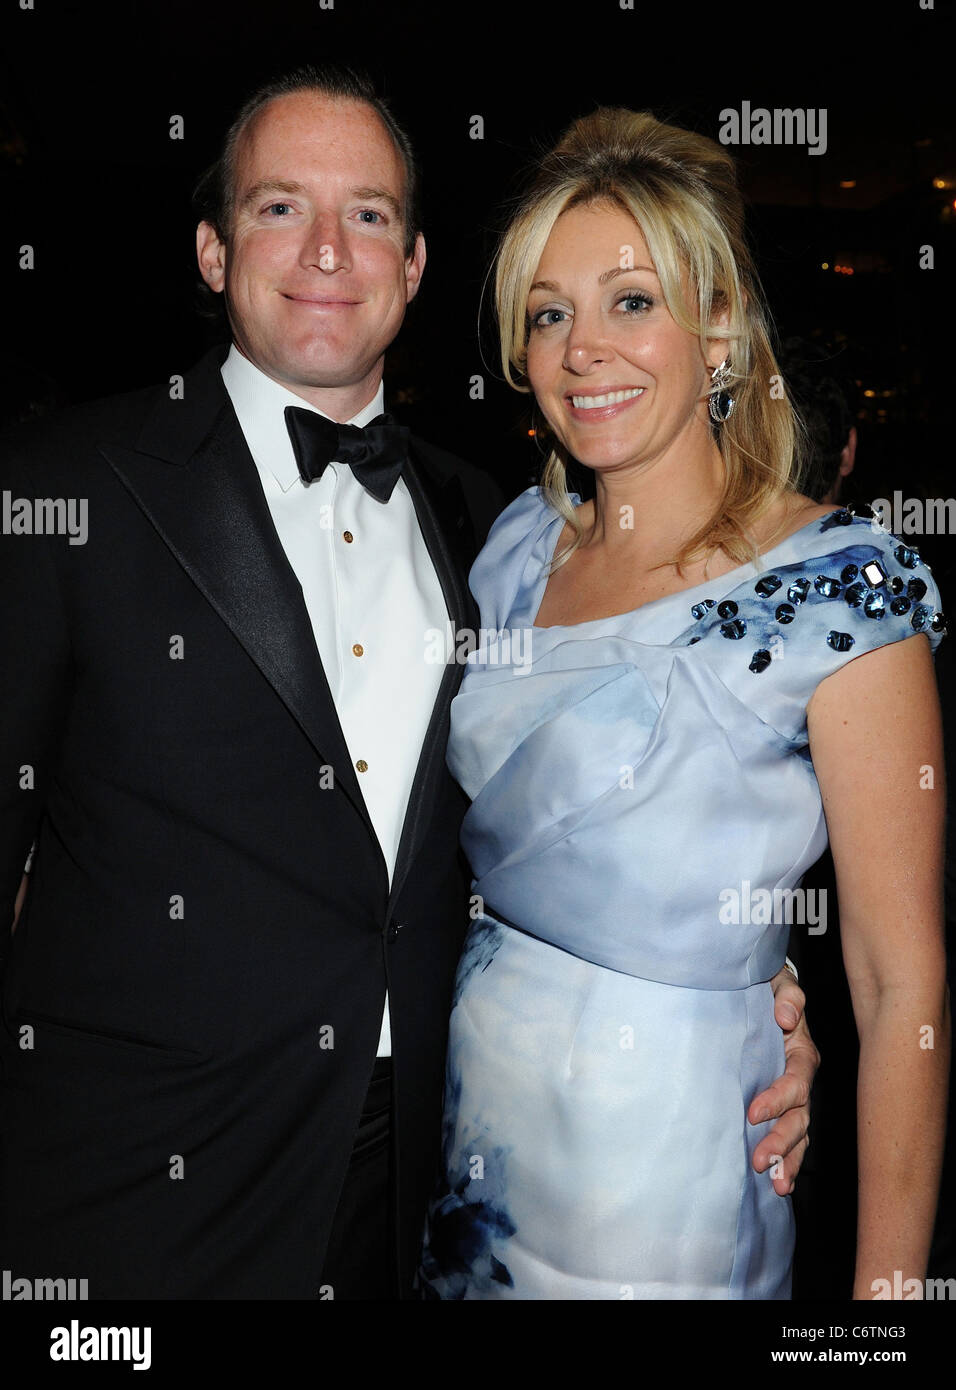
636, 303
544, 319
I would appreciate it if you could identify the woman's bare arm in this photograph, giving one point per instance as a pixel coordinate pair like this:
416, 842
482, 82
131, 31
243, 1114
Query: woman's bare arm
876, 742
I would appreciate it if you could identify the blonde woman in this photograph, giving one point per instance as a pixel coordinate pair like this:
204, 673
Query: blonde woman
720, 671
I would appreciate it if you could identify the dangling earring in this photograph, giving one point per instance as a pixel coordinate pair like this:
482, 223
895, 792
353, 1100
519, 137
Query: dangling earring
721, 402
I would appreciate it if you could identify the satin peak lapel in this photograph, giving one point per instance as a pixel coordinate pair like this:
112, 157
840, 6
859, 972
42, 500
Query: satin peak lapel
212, 514
449, 538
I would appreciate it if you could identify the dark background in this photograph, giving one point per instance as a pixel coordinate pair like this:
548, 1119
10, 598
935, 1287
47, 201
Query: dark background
91, 179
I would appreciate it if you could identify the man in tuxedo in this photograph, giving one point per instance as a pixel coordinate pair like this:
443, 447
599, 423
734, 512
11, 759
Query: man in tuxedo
226, 998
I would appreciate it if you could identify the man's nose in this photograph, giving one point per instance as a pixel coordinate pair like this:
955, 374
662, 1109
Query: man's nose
325, 246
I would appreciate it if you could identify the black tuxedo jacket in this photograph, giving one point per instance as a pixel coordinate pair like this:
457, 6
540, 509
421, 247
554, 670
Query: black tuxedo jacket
193, 996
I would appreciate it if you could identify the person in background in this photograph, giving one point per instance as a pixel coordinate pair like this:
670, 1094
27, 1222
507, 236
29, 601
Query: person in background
823, 404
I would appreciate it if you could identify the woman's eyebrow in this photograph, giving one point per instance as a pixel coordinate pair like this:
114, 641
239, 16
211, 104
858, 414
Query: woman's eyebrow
605, 278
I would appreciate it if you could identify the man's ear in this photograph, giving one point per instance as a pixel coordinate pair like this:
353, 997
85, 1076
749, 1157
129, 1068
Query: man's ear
848, 453
211, 255
414, 269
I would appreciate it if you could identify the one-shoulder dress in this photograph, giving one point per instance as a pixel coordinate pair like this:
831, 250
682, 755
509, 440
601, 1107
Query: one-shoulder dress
643, 807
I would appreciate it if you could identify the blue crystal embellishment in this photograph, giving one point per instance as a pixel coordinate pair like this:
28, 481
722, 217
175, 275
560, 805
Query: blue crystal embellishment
841, 518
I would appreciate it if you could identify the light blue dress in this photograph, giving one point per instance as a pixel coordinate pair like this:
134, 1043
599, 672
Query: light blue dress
640, 787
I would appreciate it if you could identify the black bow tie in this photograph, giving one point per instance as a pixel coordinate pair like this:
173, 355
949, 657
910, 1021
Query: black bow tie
375, 454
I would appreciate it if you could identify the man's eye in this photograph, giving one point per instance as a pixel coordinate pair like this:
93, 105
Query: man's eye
284, 206
366, 214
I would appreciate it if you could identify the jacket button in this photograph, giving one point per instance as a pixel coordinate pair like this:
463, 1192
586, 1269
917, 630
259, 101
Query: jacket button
393, 931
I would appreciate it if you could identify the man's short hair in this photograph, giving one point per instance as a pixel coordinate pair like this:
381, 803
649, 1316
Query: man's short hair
215, 193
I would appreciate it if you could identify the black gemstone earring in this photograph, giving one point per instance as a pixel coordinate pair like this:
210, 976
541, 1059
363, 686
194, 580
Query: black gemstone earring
721, 402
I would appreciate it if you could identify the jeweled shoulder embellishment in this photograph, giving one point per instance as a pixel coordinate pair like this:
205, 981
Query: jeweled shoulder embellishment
907, 556
923, 618
840, 518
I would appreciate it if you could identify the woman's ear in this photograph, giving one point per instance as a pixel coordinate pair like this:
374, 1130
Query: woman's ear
719, 347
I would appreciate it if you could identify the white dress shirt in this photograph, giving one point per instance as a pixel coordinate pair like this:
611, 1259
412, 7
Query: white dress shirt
371, 592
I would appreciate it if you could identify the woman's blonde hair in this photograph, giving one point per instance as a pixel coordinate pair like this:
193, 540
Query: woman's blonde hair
681, 190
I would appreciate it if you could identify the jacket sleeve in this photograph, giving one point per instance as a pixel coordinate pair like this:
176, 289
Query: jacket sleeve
35, 673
